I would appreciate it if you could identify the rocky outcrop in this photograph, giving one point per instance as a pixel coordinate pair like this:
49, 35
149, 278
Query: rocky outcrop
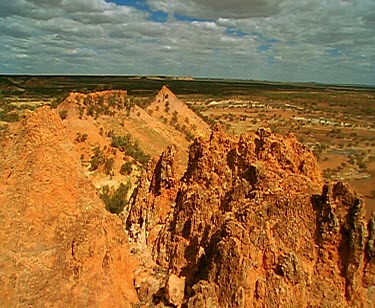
108, 97
250, 224
153, 199
59, 246
175, 290
97, 103
369, 269
253, 225
341, 235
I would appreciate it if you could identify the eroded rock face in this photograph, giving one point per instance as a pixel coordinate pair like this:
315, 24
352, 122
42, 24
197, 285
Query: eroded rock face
59, 246
153, 199
369, 270
253, 225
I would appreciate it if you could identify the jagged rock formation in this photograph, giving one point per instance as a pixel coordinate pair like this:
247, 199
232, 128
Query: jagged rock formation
252, 224
59, 246
369, 270
153, 199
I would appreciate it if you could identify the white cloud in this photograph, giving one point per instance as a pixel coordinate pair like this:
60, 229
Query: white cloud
329, 41
214, 9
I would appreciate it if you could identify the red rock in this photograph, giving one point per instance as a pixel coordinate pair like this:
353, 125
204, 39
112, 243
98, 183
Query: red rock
59, 246
253, 225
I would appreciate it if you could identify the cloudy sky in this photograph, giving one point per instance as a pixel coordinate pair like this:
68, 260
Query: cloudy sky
331, 41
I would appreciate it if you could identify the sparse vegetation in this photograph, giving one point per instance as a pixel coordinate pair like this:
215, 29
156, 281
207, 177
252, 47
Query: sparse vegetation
131, 148
339, 118
115, 199
108, 166
97, 159
63, 114
126, 168
8, 116
58, 100
81, 137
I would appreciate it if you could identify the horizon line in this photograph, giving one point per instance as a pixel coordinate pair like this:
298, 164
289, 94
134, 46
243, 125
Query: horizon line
317, 83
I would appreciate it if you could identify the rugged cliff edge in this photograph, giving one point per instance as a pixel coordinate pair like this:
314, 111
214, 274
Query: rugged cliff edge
252, 224
59, 246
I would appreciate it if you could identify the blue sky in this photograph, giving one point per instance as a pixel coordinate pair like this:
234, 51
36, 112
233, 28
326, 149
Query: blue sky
322, 41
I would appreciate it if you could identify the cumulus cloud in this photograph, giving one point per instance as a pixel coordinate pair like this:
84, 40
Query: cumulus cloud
327, 41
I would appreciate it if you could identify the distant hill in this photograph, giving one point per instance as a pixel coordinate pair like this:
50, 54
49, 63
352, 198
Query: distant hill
104, 114
6, 85
172, 111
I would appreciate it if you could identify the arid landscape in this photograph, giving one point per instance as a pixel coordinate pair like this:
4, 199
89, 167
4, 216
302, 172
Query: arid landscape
336, 122
182, 192
187, 153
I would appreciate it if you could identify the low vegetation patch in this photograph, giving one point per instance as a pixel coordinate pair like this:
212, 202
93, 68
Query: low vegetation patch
115, 199
97, 159
100, 159
131, 148
126, 169
105, 105
8, 116
63, 114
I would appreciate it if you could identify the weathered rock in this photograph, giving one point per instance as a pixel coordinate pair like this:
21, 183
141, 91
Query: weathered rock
203, 296
153, 199
59, 246
342, 234
369, 270
254, 226
146, 285
175, 289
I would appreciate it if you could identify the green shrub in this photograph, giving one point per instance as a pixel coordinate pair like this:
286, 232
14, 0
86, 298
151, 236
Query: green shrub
63, 114
58, 100
81, 138
81, 109
4, 127
108, 165
126, 169
90, 110
96, 159
8, 117
115, 200
362, 165
94, 163
133, 149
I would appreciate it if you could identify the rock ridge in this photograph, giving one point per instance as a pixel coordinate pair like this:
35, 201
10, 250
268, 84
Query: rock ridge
59, 246
252, 224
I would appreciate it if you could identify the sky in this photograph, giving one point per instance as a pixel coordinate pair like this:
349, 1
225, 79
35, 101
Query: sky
327, 41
